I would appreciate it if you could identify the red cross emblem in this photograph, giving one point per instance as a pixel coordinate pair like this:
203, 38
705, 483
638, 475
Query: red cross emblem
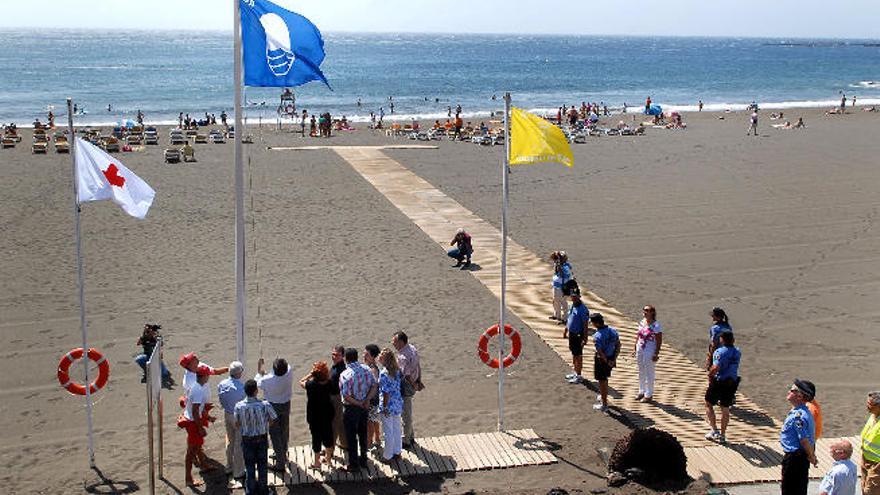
113, 177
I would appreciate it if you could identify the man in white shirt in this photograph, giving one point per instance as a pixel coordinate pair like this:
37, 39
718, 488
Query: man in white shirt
277, 388
843, 478
197, 396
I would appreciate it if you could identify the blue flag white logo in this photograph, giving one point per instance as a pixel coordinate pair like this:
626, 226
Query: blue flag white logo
280, 47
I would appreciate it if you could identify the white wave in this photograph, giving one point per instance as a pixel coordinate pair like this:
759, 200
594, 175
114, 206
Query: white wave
866, 85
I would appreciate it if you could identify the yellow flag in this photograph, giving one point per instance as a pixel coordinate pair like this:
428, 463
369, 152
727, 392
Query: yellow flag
534, 140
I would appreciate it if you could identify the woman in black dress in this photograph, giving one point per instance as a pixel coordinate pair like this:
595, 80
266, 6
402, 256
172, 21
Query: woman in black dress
319, 411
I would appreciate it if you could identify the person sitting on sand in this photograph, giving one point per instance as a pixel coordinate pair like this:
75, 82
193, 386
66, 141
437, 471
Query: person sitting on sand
463, 250
436, 125
800, 123
784, 125
872, 108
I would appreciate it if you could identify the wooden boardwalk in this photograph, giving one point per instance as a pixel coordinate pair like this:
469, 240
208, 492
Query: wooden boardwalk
431, 455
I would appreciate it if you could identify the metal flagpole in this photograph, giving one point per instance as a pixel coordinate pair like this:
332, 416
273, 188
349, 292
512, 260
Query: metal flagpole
79, 278
504, 169
239, 194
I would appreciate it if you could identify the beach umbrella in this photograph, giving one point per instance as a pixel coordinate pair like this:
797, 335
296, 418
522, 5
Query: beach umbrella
655, 110
127, 123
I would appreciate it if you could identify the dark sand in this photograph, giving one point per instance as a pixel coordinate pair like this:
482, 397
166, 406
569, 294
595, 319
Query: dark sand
778, 229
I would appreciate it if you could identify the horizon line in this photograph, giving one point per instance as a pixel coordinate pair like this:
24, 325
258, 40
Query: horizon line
455, 34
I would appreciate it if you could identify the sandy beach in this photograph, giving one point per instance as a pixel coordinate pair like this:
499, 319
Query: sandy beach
778, 229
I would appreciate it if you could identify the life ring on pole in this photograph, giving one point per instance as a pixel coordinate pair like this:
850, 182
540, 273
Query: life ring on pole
289, 109
76, 388
483, 346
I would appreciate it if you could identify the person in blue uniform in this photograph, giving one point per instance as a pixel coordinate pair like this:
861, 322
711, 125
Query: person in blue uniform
723, 382
576, 333
798, 439
607, 343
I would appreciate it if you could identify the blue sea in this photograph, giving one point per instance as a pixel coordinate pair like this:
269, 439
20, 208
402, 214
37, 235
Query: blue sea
163, 73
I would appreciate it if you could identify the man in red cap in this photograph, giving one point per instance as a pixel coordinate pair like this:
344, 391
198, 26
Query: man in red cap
197, 396
190, 363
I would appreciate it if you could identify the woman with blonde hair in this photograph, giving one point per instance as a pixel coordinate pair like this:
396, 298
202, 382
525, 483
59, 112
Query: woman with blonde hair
319, 411
390, 404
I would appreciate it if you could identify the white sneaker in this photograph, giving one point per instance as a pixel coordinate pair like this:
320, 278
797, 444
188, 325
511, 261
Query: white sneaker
599, 398
570, 376
600, 407
713, 436
576, 379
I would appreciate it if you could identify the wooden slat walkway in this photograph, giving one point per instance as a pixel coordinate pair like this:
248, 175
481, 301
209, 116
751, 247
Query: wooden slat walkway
752, 462
431, 455
678, 406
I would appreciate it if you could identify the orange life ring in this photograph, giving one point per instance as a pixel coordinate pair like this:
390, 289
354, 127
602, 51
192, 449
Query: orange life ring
483, 346
76, 388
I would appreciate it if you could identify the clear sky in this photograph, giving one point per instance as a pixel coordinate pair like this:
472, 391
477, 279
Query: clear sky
770, 18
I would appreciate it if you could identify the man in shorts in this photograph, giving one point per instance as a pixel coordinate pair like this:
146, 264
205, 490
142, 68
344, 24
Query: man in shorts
576, 333
723, 381
607, 342
197, 396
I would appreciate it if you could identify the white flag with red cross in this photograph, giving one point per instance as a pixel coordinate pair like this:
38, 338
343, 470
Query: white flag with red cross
100, 176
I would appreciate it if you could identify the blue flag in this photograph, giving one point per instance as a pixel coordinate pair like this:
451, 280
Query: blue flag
280, 47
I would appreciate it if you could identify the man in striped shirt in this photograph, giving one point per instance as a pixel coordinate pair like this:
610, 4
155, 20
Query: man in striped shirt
357, 386
253, 417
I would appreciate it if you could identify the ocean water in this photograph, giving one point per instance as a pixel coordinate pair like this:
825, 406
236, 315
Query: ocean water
166, 72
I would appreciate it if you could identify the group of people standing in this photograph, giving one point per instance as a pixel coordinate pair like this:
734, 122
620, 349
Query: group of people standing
349, 403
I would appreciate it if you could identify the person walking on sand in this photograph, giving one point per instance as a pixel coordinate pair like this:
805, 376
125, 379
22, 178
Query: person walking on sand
607, 342
700, 106
798, 440
277, 390
753, 123
561, 277
411, 368
230, 392
357, 386
870, 438
843, 477
647, 105
647, 351
463, 249
576, 332
843, 103
254, 417
319, 411
723, 378
390, 404
720, 324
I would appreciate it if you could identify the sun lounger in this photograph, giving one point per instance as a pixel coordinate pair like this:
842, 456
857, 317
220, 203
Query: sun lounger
177, 138
110, 144
216, 137
61, 143
172, 155
201, 139
8, 142
191, 132
151, 136
40, 147
134, 140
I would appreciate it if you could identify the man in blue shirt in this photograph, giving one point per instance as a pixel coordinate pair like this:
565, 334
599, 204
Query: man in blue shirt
607, 343
723, 381
843, 478
798, 438
230, 392
576, 333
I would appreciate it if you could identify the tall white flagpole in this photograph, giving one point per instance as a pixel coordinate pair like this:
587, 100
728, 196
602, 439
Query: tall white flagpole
504, 172
239, 194
79, 278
